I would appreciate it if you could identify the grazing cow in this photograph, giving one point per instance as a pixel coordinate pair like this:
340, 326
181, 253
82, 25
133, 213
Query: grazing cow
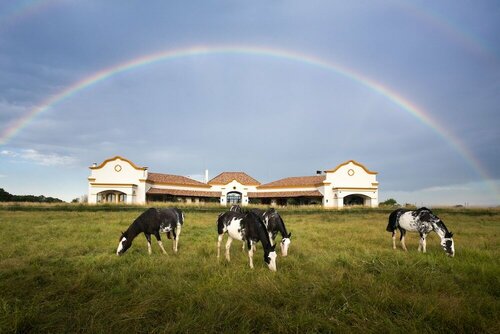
153, 221
274, 224
422, 221
247, 227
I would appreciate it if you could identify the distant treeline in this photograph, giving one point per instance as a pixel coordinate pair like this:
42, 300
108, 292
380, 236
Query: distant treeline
7, 197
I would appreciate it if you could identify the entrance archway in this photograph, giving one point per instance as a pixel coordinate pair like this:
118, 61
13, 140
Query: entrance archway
233, 197
353, 200
111, 196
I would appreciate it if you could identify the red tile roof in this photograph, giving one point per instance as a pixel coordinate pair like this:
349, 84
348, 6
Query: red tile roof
179, 192
281, 194
296, 181
174, 179
227, 177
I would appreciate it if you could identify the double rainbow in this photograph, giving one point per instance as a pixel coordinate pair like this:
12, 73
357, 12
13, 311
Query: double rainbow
280, 54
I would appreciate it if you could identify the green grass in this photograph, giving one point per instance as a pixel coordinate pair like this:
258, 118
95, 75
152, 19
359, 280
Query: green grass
59, 273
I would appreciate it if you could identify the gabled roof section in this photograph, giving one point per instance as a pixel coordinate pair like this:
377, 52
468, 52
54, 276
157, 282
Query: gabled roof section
227, 177
296, 181
355, 163
174, 180
116, 158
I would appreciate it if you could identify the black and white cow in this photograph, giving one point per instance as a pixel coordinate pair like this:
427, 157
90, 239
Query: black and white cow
153, 221
422, 221
274, 225
247, 227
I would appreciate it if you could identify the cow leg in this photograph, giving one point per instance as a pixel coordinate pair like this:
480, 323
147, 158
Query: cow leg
228, 247
250, 254
394, 240
148, 238
160, 244
219, 241
179, 228
402, 239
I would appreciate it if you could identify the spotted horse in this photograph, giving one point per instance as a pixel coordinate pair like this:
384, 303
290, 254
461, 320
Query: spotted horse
422, 221
274, 225
152, 222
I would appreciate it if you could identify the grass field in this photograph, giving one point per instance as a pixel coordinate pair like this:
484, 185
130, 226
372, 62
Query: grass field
59, 273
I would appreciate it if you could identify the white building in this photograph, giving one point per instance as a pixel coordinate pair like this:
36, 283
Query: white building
118, 180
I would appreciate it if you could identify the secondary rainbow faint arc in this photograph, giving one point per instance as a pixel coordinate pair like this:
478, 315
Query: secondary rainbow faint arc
165, 55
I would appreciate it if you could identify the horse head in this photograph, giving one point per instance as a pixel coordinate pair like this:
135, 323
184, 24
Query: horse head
270, 258
285, 243
124, 243
448, 244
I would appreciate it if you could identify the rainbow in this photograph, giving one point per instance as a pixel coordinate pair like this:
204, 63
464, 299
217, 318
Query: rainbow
279, 54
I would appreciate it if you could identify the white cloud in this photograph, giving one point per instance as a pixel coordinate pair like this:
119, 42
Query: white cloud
44, 159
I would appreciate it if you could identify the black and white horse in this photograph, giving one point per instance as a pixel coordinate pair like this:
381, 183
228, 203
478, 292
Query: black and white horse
422, 221
274, 225
247, 227
153, 221
236, 208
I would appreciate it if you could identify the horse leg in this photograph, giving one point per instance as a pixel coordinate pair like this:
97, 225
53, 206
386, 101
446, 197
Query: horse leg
174, 240
179, 228
394, 240
402, 239
148, 238
424, 243
219, 241
250, 254
158, 239
228, 247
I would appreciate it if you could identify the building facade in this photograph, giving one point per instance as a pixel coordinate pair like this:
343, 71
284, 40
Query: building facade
118, 180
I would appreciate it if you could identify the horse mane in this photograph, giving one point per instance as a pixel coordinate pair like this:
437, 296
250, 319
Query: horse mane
261, 230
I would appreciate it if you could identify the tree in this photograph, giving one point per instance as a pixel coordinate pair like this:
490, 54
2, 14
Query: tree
390, 202
5, 196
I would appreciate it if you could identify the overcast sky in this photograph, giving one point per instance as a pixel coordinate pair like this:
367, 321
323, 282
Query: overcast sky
270, 117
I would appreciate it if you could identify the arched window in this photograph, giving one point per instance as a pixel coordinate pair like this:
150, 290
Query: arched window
233, 197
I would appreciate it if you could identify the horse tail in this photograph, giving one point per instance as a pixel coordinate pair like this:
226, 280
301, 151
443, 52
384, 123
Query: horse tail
393, 223
181, 218
168, 235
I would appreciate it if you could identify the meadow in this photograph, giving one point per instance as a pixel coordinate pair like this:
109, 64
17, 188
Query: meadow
59, 273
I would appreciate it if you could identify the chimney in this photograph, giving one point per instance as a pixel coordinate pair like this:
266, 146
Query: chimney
206, 175
318, 172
